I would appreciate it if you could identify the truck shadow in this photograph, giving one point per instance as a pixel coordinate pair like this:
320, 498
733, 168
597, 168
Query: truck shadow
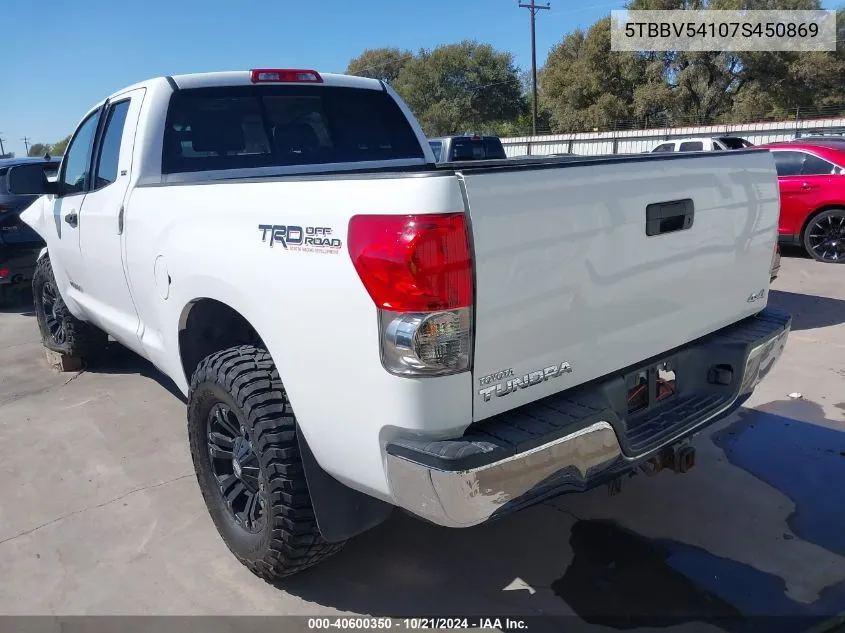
120, 360
567, 560
808, 312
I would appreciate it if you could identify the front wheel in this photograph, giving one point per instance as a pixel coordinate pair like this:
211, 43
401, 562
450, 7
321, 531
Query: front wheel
60, 330
824, 237
242, 433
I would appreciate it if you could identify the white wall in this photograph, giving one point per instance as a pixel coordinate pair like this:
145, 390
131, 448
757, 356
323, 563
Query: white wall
636, 141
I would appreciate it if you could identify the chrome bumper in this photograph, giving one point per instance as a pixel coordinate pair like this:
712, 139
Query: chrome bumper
469, 497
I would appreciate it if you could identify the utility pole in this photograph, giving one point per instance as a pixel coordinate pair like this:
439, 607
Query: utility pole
533, 8
2, 150
25, 140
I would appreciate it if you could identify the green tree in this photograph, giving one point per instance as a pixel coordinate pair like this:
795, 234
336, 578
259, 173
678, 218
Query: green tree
379, 63
462, 87
705, 87
785, 84
584, 85
54, 149
38, 149
59, 148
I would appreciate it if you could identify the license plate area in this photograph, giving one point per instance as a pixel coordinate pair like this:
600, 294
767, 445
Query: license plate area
651, 386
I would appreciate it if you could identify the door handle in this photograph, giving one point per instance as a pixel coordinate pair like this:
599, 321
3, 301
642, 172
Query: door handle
806, 185
668, 217
72, 218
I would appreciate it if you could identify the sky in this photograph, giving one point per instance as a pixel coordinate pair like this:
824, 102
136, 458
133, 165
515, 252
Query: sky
58, 59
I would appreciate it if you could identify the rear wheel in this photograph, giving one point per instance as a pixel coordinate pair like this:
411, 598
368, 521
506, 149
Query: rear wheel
242, 433
60, 330
824, 236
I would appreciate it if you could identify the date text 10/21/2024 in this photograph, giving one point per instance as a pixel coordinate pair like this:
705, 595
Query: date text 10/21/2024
433, 623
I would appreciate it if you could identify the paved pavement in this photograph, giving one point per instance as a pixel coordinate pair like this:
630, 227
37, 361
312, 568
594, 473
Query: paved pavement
100, 512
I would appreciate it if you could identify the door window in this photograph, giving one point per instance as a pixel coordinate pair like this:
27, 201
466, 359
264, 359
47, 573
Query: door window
77, 159
815, 166
665, 147
788, 163
107, 161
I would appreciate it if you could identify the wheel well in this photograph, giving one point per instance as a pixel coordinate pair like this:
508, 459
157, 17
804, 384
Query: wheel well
813, 215
208, 326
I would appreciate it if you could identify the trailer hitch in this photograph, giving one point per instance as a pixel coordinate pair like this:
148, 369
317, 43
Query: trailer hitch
679, 458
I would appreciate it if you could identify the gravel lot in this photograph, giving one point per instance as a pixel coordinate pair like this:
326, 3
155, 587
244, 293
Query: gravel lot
100, 512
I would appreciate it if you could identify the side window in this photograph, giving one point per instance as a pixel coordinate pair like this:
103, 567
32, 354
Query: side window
78, 156
665, 147
789, 163
815, 166
691, 146
110, 146
436, 147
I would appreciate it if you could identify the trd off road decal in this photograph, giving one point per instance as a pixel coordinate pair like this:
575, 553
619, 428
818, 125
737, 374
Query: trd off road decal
291, 237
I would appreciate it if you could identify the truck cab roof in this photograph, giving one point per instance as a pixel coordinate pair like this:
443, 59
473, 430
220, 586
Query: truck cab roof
244, 78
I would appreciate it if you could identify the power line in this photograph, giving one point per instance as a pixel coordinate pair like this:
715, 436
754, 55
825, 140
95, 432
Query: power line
532, 9
387, 63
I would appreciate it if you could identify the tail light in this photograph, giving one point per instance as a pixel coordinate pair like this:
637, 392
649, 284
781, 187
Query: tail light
418, 271
4, 272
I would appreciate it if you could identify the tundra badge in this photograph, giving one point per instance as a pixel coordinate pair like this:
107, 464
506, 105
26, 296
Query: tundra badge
528, 380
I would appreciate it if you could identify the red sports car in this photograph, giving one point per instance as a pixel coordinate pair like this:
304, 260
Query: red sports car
811, 176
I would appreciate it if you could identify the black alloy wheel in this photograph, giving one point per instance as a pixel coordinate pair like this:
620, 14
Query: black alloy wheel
51, 306
235, 466
243, 437
824, 237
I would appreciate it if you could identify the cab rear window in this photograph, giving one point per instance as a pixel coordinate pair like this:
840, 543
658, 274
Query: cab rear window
263, 126
477, 149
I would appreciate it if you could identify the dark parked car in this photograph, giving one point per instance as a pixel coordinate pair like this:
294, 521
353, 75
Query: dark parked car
19, 244
449, 149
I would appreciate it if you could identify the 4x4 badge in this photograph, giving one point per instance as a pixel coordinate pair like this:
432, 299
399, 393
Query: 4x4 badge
756, 296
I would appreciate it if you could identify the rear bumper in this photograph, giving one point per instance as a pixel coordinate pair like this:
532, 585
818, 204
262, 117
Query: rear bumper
580, 438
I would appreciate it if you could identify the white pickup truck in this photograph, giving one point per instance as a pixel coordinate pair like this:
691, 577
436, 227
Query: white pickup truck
357, 329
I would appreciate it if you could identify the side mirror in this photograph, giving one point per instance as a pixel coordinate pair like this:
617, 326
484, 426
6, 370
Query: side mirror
23, 180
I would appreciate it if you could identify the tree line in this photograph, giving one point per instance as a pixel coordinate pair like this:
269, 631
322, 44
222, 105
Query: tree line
53, 149
584, 86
